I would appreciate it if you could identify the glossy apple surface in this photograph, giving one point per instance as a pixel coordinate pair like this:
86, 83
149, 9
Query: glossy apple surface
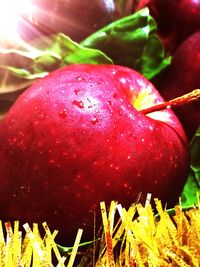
181, 77
74, 139
176, 20
75, 18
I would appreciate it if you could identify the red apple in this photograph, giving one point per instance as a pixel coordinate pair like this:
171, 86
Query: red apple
76, 138
176, 19
181, 77
75, 18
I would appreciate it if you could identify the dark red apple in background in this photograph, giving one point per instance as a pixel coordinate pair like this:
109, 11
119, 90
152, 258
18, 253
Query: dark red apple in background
181, 77
75, 138
176, 19
75, 18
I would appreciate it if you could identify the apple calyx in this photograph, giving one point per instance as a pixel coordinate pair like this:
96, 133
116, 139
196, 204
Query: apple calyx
178, 101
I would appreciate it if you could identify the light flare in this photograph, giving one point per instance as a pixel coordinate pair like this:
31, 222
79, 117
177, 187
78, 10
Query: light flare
10, 12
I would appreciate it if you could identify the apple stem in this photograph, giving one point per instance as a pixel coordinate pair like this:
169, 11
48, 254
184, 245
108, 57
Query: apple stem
178, 101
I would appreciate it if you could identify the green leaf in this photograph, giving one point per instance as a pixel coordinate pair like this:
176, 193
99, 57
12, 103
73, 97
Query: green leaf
23, 73
79, 54
66, 51
132, 42
38, 59
192, 185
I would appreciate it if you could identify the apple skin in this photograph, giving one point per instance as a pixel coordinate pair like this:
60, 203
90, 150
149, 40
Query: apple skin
75, 18
176, 20
181, 77
74, 139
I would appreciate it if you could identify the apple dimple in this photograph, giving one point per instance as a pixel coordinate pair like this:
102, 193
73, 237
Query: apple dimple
63, 114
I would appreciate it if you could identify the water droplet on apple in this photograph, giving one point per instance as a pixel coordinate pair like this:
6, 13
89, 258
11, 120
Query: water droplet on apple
109, 102
52, 161
39, 144
122, 80
79, 104
55, 212
131, 116
125, 185
21, 134
35, 167
78, 195
77, 91
80, 78
63, 114
115, 96
19, 143
64, 154
14, 140
65, 187
94, 121
87, 187
123, 108
57, 141
95, 163
74, 156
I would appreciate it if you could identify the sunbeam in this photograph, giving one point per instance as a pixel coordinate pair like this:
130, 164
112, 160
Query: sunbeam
9, 16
